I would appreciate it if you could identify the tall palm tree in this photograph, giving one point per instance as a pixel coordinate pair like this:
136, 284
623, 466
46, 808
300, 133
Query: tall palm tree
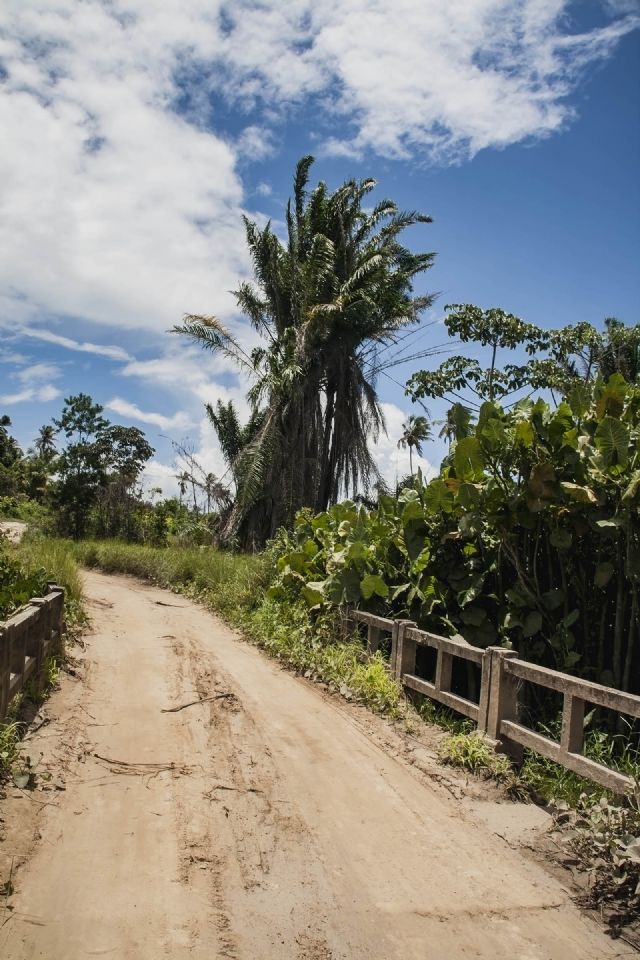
44, 443
457, 423
415, 431
325, 301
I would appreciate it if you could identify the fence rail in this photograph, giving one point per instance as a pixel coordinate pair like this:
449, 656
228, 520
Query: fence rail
26, 640
497, 712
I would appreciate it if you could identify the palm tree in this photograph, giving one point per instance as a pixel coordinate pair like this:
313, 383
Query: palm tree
325, 303
457, 423
44, 444
233, 437
415, 431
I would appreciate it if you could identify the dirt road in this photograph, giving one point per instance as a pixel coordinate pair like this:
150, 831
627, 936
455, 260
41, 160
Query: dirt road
13, 529
272, 822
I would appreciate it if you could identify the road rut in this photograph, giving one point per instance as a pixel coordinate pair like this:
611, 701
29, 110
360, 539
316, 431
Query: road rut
265, 823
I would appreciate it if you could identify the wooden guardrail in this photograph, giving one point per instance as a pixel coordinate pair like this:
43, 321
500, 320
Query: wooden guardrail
501, 676
26, 640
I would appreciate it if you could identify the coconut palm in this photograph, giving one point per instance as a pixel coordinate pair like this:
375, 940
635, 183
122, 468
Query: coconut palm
457, 424
324, 302
44, 443
415, 431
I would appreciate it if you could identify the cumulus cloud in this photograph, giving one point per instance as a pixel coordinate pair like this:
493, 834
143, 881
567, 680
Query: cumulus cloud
416, 78
121, 193
114, 207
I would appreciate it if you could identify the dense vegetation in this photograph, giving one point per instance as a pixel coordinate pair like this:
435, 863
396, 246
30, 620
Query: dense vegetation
529, 537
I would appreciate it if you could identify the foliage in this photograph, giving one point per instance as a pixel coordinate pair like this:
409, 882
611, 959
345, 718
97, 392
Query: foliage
56, 560
99, 466
528, 537
228, 583
312, 648
18, 583
472, 752
604, 839
325, 302
558, 357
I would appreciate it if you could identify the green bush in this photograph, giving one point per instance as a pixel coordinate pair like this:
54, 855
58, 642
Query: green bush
530, 537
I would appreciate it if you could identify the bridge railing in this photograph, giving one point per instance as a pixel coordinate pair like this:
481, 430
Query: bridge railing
27, 639
498, 710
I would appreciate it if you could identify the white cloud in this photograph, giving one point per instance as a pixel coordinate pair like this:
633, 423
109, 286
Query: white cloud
420, 77
114, 208
38, 372
393, 461
103, 350
41, 394
179, 421
156, 474
121, 195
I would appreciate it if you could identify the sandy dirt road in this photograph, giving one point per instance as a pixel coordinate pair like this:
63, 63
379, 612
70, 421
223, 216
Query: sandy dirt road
272, 822
13, 529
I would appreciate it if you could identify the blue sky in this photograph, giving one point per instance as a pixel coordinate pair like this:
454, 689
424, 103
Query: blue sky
135, 134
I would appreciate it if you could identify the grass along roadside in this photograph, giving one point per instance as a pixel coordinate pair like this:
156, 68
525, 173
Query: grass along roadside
41, 560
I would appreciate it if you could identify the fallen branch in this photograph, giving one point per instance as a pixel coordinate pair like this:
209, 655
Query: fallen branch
183, 706
150, 770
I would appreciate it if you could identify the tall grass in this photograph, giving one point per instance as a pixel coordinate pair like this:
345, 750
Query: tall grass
229, 583
57, 558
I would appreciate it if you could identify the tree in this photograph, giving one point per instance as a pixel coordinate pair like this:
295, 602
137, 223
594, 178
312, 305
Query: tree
232, 436
457, 423
9, 450
10, 460
325, 302
44, 444
415, 431
81, 465
124, 451
557, 357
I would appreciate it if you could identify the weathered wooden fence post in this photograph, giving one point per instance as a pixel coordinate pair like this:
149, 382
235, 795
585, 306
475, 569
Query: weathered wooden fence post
503, 697
374, 639
5, 671
57, 618
485, 691
406, 650
572, 735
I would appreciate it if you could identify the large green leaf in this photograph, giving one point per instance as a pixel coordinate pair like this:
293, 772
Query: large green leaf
313, 593
468, 459
633, 488
604, 572
438, 498
579, 398
532, 624
371, 584
542, 485
611, 397
525, 434
612, 440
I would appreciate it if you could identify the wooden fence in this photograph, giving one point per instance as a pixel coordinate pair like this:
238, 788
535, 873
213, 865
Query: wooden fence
497, 711
26, 640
